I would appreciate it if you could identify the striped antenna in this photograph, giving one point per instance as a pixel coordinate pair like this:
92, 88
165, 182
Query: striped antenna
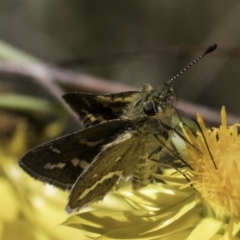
208, 50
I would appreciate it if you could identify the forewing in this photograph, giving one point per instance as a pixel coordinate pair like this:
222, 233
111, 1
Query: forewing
109, 165
61, 161
96, 108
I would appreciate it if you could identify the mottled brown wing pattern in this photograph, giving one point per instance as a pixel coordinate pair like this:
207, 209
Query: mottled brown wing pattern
96, 108
125, 137
61, 161
113, 161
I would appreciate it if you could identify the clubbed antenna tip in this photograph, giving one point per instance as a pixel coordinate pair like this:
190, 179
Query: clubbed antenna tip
211, 48
208, 50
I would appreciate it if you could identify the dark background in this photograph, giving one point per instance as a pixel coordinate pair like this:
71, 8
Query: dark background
134, 42
131, 42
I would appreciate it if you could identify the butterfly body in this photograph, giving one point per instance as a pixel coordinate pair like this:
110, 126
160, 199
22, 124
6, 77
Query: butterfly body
125, 136
127, 155
116, 144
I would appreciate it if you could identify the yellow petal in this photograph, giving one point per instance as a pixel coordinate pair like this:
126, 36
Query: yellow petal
206, 229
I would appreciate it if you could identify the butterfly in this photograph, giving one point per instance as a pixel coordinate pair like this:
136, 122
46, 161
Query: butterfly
125, 137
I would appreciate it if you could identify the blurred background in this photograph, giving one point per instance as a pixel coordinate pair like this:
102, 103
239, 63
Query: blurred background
51, 47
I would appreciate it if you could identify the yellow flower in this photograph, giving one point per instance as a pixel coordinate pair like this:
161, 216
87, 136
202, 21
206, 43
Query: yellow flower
215, 163
155, 212
29, 210
216, 166
205, 208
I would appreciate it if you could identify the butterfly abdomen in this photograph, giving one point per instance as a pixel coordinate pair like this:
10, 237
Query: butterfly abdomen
143, 173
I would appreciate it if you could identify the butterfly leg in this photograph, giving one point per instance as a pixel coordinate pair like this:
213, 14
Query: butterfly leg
160, 147
156, 151
173, 152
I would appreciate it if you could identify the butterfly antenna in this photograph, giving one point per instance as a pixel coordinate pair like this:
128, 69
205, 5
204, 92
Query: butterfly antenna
208, 50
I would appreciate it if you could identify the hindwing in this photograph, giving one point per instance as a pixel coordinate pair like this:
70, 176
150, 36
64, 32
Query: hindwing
117, 159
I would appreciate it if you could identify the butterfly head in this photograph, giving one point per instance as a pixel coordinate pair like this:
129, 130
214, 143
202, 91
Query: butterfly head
158, 102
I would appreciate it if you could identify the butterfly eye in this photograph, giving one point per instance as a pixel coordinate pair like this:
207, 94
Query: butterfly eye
149, 108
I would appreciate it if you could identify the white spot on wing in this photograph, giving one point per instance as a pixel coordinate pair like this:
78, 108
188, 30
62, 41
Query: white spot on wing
83, 164
61, 165
56, 150
90, 143
117, 159
75, 162
48, 166
52, 166
109, 175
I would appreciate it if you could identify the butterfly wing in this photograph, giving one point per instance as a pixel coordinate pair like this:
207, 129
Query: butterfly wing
61, 161
114, 161
96, 108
